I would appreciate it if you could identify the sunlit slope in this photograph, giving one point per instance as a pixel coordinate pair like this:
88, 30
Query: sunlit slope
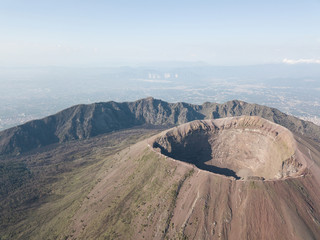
148, 195
121, 190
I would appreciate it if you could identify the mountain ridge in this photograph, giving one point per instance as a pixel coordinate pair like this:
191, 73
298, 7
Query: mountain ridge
86, 121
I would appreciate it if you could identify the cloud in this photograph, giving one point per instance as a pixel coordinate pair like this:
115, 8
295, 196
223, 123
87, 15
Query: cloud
302, 60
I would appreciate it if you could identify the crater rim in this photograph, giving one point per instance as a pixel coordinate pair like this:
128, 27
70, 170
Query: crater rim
240, 148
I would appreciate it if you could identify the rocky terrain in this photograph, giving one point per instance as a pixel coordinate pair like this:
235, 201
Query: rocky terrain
120, 171
159, 197
242, 147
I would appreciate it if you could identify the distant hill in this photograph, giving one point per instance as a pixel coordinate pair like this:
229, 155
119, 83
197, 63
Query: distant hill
86, 121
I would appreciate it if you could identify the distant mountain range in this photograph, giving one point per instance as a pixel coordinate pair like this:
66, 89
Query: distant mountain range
86, 121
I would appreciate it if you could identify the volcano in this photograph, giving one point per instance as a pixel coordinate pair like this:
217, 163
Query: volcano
156, 170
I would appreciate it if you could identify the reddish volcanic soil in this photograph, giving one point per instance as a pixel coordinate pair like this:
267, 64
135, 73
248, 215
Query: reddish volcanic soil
250, 149
233, 178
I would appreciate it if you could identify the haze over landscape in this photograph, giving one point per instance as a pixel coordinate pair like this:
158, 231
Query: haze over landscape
54, 55
159, 119
37, 92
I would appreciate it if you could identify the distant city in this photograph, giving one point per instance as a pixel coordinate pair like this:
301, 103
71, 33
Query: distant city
31, 93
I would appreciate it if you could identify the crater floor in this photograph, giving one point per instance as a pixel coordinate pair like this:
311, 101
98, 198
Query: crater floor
246, 147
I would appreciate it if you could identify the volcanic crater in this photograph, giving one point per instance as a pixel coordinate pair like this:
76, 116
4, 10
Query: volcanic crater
245, 147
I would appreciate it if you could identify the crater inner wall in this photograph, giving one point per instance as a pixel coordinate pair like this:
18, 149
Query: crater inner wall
240, 147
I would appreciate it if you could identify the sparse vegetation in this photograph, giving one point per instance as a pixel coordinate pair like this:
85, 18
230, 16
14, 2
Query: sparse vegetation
46, 188
174, 194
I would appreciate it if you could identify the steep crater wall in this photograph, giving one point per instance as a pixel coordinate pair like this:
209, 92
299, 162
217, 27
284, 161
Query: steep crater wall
246, 147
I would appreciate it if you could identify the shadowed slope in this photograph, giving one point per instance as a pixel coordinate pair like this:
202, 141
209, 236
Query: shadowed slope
86, 121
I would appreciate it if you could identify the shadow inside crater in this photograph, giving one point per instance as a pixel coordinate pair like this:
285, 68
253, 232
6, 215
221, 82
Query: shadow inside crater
211, 168
195, 149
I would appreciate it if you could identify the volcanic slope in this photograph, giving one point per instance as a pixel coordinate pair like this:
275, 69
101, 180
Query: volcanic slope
167, 197
120, 183
41, 191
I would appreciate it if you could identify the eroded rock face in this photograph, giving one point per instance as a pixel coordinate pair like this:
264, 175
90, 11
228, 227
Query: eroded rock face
246, 147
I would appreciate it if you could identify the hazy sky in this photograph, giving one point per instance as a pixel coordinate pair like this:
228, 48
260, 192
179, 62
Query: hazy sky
98, 33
